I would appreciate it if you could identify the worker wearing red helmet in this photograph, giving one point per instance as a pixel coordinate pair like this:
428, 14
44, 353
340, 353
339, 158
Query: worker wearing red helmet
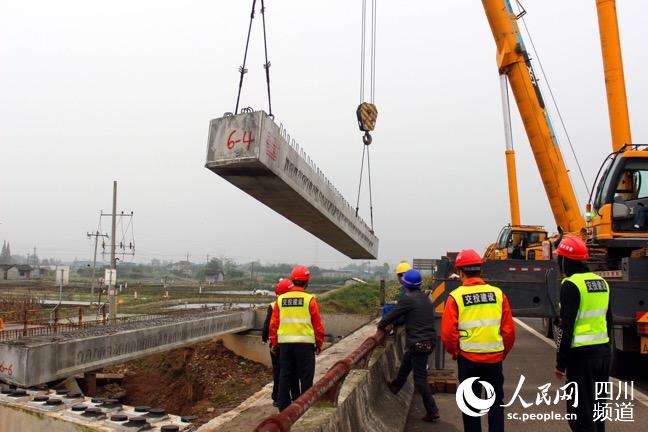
477, 329
585, 321
296, 329
282, 287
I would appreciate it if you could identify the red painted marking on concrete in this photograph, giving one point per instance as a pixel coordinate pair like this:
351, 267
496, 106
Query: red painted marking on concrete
272, 150
9, 370
245, 139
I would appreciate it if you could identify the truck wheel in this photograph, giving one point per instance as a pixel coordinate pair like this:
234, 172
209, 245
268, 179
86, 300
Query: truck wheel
547, 328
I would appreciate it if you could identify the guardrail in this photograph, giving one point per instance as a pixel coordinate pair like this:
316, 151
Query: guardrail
326, 388
47, 326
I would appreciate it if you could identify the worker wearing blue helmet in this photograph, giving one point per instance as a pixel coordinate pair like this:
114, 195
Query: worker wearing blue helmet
418, 313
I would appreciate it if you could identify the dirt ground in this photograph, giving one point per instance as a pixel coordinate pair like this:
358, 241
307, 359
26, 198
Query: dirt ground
204, 380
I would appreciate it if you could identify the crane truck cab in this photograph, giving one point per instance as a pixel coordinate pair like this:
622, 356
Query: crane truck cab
523, 242
618, 214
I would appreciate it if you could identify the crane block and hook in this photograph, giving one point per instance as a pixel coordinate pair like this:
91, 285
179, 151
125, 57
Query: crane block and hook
367, 114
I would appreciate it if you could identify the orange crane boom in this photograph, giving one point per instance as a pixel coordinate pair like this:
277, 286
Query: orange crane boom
514, 62
614, 78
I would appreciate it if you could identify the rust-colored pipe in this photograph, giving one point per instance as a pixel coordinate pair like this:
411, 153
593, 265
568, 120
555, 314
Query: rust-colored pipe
614, 78
283, 421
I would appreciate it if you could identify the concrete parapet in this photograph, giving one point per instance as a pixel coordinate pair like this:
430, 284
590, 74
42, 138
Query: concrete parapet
365, 402
42, 359
254, 154
362, 389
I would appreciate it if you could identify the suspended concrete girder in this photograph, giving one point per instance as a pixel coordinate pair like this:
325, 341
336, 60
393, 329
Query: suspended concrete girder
254, 154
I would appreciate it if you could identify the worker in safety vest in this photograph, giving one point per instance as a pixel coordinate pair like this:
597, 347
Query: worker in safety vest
282, 287
296, 329
477, 329
585, 321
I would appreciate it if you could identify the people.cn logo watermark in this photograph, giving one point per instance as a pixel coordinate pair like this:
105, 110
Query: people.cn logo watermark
471, 404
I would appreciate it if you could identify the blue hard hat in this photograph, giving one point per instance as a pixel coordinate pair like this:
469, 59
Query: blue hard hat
412, 279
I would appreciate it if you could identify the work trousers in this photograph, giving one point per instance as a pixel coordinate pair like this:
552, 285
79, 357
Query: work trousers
296, 363
585, 371
492, 374
641, 217
276, 369
418, 364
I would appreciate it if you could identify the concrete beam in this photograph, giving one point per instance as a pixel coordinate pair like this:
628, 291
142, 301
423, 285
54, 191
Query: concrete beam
257, 156
38, 360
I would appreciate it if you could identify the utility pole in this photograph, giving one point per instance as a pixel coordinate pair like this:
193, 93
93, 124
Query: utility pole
61, 287
113, 262
96, 235
113, 250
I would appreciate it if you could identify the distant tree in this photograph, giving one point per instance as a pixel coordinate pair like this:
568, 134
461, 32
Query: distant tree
5, 255
213, 267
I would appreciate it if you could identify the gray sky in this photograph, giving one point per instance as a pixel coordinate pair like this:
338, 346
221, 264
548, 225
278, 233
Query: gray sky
95, 91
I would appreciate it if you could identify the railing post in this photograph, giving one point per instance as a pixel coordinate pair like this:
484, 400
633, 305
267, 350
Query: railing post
25, 314
80, 323
103, 314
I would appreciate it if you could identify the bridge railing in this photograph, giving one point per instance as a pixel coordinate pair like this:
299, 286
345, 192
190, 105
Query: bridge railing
63, 320
326, 388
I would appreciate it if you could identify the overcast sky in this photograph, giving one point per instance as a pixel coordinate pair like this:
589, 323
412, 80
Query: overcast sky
124, 90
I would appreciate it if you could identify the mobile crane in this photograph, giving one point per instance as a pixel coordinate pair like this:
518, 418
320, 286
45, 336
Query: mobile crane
618, 244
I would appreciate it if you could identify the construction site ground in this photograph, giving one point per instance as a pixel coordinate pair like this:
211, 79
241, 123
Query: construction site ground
204, 380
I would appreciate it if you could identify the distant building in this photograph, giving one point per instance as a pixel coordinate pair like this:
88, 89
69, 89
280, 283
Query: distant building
4, 268
184, 267
217, 279
15, 271
339, 273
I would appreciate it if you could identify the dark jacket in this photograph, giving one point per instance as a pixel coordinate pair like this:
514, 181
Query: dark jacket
265, 333
569, 304
418, 312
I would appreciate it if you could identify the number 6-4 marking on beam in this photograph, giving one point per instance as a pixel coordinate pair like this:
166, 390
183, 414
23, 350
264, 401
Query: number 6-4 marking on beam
246, 139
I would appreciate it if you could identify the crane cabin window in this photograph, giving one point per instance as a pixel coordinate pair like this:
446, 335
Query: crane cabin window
629, 196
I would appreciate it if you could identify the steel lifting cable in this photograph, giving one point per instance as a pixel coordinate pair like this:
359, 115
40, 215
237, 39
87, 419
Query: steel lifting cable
243, 70
560, 117
366, 112
266, 65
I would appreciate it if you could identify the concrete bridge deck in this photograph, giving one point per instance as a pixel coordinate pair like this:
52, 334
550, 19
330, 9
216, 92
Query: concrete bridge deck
257, 156
41, 359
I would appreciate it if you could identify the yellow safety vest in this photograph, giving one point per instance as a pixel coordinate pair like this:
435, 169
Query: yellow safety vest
480, 315
294, 318
590, 327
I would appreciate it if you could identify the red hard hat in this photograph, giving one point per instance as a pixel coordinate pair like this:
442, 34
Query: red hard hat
468, 258
300, 273
573, 248
283, 286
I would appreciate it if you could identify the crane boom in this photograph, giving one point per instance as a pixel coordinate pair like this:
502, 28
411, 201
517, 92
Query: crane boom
614, 79
513, 61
